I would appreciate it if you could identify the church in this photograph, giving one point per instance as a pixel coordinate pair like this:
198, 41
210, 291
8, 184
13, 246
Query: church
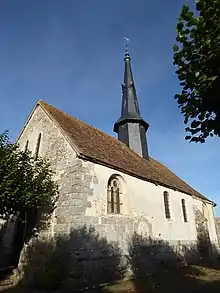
113, 184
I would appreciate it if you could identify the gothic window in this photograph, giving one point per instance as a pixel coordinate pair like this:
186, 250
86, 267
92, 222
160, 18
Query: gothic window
114, 196
166, 204
183, 202
26, 146
37, 146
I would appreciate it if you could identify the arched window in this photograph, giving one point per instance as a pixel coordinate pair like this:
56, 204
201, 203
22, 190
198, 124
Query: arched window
37, 146
166, 204
183, 202
114, 196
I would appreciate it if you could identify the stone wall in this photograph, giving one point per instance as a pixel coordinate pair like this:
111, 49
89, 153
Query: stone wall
84, 259
217, 223
78, 259
53, 146
75, 190
79, 205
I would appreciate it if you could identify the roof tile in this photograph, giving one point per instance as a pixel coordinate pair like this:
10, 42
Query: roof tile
104, 149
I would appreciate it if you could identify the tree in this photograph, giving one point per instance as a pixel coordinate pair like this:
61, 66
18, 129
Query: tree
197, 58
25, 183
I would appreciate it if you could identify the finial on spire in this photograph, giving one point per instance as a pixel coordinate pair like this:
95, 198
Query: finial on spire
126, 47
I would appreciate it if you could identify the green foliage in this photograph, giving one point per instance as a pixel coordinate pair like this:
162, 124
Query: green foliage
197, 59
25, 184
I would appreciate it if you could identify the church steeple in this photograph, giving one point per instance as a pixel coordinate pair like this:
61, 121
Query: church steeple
131, 127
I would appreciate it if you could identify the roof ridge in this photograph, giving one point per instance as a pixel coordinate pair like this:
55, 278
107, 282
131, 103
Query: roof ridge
100, 147
43, 103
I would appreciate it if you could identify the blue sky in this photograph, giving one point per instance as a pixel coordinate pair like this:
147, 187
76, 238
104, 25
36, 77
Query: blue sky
70, 54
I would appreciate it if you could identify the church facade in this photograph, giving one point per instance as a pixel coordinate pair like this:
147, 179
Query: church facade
113, 184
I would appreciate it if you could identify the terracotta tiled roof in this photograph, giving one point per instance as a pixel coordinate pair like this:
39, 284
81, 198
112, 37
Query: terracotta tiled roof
94, 145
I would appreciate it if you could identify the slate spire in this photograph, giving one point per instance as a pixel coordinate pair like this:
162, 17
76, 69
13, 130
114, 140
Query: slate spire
131, 127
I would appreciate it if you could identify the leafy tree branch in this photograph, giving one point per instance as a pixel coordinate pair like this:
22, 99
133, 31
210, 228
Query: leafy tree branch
26, 184
197, 60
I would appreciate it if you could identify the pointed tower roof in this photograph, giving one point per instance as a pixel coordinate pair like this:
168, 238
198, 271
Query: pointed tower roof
130, 111
131, 127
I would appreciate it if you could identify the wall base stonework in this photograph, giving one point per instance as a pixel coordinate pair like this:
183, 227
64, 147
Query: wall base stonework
84, 259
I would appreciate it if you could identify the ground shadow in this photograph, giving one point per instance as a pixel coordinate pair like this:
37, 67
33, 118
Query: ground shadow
81, 260
84, 260
158, 266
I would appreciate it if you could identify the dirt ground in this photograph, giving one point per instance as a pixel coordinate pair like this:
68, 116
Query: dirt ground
184, 280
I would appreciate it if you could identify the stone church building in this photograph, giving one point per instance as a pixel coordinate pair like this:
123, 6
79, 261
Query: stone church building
113, 184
